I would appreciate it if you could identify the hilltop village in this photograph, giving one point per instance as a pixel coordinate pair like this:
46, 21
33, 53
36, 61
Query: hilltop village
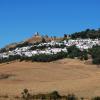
49, 47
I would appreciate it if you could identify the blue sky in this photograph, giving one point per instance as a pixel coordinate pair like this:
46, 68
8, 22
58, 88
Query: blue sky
19, 19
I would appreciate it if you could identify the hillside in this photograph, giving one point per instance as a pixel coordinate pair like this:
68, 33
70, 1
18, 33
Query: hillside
45, 49
65, 76
38, 38
88, 33
45, 64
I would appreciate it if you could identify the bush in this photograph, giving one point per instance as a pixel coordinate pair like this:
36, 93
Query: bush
54, 95
71, 97
49, 96
26, 95
73, 52
96, 98
49, 57
95, 52
96, 61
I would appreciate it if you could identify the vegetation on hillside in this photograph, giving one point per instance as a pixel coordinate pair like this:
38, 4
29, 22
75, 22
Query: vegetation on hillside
95, 53
49, 96
88, 33
26, 95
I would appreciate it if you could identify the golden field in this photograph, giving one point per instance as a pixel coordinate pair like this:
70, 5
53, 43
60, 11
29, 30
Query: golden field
65, 76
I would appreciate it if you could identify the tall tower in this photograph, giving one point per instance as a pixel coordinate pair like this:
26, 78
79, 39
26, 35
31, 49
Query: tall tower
37, 34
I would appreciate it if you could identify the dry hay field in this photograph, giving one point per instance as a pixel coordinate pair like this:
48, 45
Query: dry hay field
65, 76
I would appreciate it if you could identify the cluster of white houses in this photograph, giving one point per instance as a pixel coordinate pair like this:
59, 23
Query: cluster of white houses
26, 51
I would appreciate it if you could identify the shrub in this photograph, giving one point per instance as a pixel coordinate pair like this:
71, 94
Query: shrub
71, 97
96, 98
26, 95
95, 52
73, 52
54, 95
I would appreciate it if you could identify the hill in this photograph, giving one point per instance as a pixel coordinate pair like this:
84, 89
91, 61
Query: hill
22, 65
38, 38
88, 33
45, 49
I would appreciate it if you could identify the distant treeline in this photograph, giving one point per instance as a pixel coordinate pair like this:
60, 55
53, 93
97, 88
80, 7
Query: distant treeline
37, 58
48, 96
88, 33
26, 95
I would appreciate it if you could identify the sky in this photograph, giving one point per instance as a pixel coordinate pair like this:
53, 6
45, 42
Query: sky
20, 19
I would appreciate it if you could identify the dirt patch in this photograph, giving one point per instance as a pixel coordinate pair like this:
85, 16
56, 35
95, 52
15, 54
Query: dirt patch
5, 76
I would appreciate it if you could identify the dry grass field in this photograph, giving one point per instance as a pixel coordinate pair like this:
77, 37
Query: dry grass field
65, 76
